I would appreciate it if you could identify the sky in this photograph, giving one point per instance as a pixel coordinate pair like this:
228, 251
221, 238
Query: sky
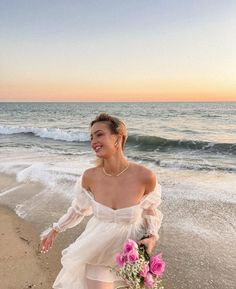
176, 50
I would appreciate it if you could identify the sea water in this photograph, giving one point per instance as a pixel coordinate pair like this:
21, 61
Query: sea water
191, 146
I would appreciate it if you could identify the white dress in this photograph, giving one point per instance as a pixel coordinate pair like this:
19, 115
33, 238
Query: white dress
93, 251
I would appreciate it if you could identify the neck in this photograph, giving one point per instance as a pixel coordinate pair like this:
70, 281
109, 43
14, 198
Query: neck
114, 164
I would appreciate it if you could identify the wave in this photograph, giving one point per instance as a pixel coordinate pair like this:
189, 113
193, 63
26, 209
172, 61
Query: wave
162, 144
72, 135
185, 165
140, 141
53, 176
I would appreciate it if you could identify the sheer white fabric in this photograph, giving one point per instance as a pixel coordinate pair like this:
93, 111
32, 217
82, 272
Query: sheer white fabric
152, 215
104, 234
79, 208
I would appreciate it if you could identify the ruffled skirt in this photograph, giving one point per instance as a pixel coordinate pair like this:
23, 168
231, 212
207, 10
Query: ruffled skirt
93, 253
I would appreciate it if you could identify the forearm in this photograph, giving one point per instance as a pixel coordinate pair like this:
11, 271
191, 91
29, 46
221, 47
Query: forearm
151, 231
69, 220
152, 221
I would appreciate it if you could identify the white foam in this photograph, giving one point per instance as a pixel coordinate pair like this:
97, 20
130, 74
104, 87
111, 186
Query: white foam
19, 209
10, 190
11, 168
57, 173
69, 135
32, 204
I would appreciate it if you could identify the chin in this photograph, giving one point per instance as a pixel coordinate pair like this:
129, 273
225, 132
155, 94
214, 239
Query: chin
99, 155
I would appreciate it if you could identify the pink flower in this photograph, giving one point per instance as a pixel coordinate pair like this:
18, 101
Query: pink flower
130, 245
157, 265
132, 256
144, 270
148, 280
120, 259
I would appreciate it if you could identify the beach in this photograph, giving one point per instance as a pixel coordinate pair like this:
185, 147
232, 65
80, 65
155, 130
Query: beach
191, 148
21, 266
193, 258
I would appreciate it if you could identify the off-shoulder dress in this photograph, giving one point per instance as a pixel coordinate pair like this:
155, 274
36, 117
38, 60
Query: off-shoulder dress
93, 253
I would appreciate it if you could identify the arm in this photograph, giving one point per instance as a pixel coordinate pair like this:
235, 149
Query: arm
153, 219
152, 216
79, 208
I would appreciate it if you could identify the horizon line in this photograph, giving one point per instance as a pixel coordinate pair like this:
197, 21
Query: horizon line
210, 101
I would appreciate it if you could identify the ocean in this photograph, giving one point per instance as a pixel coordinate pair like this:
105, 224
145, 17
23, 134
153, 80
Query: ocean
191, 147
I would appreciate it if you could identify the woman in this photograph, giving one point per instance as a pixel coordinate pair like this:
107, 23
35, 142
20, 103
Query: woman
122, 196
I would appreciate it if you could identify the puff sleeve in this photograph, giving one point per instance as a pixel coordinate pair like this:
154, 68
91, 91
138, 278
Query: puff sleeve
151, 214
80, 207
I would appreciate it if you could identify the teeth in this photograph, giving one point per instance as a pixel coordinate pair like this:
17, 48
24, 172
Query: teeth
97, 148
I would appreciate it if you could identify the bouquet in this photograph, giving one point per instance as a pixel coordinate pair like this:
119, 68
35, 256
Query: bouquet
137, 268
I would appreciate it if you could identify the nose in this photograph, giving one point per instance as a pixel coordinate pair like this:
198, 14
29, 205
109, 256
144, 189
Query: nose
93, 142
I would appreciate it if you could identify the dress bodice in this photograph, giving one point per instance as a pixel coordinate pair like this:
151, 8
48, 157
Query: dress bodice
126, 215
84, 204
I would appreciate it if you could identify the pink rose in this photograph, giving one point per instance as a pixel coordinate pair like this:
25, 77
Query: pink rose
144, 270
120, 259
157, 265
130, 245
132, 256
148, 280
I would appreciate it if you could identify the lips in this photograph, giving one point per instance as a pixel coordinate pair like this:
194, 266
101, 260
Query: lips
97, 148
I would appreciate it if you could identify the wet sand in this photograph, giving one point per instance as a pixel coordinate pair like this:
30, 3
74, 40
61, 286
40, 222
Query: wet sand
21, 266
197, 241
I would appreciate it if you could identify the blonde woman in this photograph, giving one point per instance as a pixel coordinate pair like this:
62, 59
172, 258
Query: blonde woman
122, 196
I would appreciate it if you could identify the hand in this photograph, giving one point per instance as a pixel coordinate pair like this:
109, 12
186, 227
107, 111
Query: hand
149, 243
47, 242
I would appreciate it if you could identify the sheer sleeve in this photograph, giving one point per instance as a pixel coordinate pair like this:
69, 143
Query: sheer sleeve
151, 214
80, 207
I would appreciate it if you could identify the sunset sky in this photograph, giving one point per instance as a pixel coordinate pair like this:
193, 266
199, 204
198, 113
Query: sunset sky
160, 50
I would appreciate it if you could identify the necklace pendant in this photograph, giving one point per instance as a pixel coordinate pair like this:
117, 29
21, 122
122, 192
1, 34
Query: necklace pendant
109, 175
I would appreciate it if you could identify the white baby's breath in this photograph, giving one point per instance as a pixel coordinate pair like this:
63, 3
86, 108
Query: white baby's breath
130, 273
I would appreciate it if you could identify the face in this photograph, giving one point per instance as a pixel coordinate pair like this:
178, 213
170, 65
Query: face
102, 140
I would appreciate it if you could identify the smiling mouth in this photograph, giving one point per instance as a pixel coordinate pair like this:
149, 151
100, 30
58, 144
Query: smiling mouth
97, 149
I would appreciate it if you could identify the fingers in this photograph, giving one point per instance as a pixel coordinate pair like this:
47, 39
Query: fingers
45, 245
148, 245
44, 249
144, 242
42, 244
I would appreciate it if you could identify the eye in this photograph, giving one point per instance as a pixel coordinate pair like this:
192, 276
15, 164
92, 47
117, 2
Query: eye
99, 134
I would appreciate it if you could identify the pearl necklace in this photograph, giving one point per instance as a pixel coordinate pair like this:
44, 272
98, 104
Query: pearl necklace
109, 175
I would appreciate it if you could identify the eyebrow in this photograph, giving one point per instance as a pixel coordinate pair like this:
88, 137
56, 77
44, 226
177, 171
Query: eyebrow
96, 131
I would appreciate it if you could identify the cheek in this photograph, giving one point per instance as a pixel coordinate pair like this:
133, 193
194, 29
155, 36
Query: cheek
107, 141
108, 145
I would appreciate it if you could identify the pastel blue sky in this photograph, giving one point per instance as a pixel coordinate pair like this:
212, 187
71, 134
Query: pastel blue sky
118, 50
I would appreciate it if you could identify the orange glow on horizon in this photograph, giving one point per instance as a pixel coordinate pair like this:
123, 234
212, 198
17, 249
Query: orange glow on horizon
116, 92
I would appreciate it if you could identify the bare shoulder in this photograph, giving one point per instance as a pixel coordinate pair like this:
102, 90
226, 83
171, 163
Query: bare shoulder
147, 177
87, 177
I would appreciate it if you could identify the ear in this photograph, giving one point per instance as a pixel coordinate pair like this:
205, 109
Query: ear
119, 136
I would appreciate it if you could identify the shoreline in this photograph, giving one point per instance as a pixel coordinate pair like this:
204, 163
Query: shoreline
22, 266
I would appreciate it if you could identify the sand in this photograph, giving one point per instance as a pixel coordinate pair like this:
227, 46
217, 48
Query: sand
21, 266
197, 240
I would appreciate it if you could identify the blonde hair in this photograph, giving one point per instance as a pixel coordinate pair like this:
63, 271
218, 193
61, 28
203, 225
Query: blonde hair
116, 126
